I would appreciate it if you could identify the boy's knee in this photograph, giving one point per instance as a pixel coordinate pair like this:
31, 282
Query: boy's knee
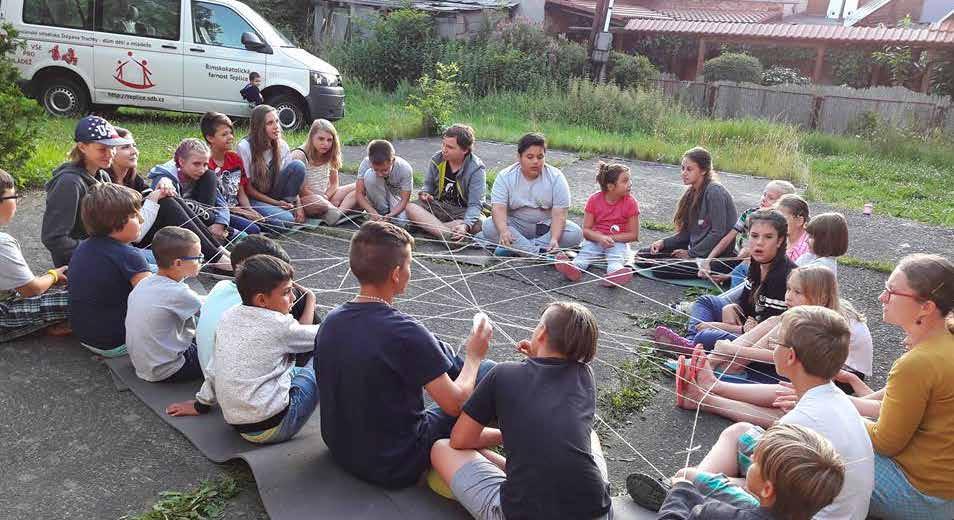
440, 446
736, 431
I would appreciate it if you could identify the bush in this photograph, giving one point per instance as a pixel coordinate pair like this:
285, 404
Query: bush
22, 115
494, 66
740, 68
942, 80
633, 71
438, 98
849, 67
783, 76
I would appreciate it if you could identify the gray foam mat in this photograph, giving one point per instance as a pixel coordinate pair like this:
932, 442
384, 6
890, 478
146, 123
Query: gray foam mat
297, 478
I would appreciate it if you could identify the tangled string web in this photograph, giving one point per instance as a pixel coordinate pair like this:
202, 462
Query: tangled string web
451, 282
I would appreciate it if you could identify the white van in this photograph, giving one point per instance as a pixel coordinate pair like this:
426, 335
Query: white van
182, 55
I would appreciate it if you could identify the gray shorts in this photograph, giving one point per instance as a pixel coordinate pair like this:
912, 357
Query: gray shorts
476, 485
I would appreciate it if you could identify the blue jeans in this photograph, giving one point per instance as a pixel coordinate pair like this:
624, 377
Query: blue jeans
739, 273
895, 498
708, 337
706, 308
285, 187
302, 401
243, 224
616, 256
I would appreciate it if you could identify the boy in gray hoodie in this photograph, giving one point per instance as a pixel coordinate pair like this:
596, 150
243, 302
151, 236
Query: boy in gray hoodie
451, 203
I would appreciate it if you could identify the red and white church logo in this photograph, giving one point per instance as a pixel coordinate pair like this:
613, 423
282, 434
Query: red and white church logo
134, 73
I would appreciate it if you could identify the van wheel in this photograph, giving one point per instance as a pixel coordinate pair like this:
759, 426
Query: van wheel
64, 98
291, 115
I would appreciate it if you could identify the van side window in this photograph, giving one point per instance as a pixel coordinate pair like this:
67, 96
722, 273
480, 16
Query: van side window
76, 14
149, 18
215, 24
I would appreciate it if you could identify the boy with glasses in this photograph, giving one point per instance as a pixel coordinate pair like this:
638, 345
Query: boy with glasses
161, 314
27, 302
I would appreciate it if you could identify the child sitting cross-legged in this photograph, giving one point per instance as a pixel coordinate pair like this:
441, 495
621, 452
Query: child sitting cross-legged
104, 268
160, 321
26, 301
252, 375
795, 473
544, 407
610, 223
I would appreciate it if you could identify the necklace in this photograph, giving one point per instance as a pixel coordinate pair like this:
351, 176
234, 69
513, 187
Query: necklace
372, 298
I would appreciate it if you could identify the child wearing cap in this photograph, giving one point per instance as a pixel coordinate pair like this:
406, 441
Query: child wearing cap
92, 154
27, 302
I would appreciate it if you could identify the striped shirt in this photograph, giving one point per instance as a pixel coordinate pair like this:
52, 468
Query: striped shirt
769, 294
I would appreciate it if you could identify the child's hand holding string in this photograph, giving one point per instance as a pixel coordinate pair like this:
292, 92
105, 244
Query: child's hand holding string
523, 347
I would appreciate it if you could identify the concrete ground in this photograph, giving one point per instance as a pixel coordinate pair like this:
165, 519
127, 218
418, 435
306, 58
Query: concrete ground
76, 447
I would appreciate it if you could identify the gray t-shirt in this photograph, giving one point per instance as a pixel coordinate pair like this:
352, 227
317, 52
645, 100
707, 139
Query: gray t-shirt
160, 326
400, 178
14, 271
530, 202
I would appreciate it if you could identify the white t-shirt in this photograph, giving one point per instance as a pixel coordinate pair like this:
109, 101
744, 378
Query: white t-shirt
828, 411
244, 149
860, 349
14, 271
809, 258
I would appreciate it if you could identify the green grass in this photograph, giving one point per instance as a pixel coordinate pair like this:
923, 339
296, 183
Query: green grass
873, 265
633, 391
206, 501
901, 175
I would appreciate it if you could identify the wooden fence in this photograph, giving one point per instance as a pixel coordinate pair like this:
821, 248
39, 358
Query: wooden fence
825, 108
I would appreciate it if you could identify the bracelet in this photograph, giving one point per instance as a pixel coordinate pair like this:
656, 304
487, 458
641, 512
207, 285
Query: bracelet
55, 275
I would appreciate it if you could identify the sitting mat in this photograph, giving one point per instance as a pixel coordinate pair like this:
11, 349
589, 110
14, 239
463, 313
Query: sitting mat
298, 478
692, 282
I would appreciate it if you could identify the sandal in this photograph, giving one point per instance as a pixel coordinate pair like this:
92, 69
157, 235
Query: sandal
647, 491
681, 379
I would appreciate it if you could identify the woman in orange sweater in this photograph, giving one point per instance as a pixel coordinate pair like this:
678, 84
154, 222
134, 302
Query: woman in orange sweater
913, 435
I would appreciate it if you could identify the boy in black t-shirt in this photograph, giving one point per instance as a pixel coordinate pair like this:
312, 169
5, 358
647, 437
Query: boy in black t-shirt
374, 361
544, 407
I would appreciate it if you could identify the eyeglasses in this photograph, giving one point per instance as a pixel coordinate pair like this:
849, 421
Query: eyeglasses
891, 293
774, 343
192, 258
11, 197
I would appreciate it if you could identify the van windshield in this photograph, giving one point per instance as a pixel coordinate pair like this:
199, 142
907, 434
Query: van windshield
272, 35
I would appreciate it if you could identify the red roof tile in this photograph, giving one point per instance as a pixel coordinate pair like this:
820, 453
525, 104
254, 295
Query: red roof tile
619, 10
818, 33
706, 15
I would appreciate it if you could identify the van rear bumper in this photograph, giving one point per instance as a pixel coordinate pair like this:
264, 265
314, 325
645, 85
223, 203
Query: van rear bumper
326, 102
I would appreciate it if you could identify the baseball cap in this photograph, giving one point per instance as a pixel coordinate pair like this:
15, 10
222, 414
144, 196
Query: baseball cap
94, 129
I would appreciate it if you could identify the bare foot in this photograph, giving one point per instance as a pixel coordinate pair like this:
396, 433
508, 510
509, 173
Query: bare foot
691, 395
705, 378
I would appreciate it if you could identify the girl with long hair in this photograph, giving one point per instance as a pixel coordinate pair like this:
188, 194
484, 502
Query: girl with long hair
321, 154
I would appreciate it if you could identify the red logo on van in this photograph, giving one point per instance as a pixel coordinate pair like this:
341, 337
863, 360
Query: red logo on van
140, 72
69, 56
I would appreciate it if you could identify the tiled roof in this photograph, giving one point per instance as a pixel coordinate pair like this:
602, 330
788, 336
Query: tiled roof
865, 11
817, 33
628, 11
707, 15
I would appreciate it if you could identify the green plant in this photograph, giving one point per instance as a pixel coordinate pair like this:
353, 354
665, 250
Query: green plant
22, 115
898, 59
635, 389
942, 74
849, 67
740, 68
783, 76
631, 71
665, 50
866, 124
207, 501
438, 97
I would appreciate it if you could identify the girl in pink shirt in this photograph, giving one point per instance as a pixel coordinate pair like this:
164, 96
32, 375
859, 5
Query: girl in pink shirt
610, 223
796, 214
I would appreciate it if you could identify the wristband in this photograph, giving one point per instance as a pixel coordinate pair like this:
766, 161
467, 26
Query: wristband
55, 275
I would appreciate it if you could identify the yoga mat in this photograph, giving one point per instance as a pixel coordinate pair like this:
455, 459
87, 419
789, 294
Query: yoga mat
692, 282
298, 478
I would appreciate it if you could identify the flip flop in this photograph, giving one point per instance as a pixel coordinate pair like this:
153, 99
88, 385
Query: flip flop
671, 366
681, 368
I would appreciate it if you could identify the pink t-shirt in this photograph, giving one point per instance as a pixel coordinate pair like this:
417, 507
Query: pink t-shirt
798, 249
605, 215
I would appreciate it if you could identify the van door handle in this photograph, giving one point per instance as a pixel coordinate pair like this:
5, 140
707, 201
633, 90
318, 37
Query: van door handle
167, 46
197, 49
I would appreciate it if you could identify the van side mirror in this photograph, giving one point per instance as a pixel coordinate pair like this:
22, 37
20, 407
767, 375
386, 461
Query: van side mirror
252, 42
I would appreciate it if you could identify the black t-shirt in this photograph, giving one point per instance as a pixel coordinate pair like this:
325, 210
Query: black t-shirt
99, 275
451, 193
372, 363
770, 300
544, 408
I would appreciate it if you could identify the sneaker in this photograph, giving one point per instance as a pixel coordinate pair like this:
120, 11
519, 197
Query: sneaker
619, 277
504, 251
647, 491
681, 307
672, 344
570, 271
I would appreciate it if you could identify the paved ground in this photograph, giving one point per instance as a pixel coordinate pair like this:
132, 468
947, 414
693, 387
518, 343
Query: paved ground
75, 447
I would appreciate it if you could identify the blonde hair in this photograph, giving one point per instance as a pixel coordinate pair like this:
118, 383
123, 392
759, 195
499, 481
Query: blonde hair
803, 467
333, 156
189, 146
820, 287
931, 277
76, 155
781, 187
